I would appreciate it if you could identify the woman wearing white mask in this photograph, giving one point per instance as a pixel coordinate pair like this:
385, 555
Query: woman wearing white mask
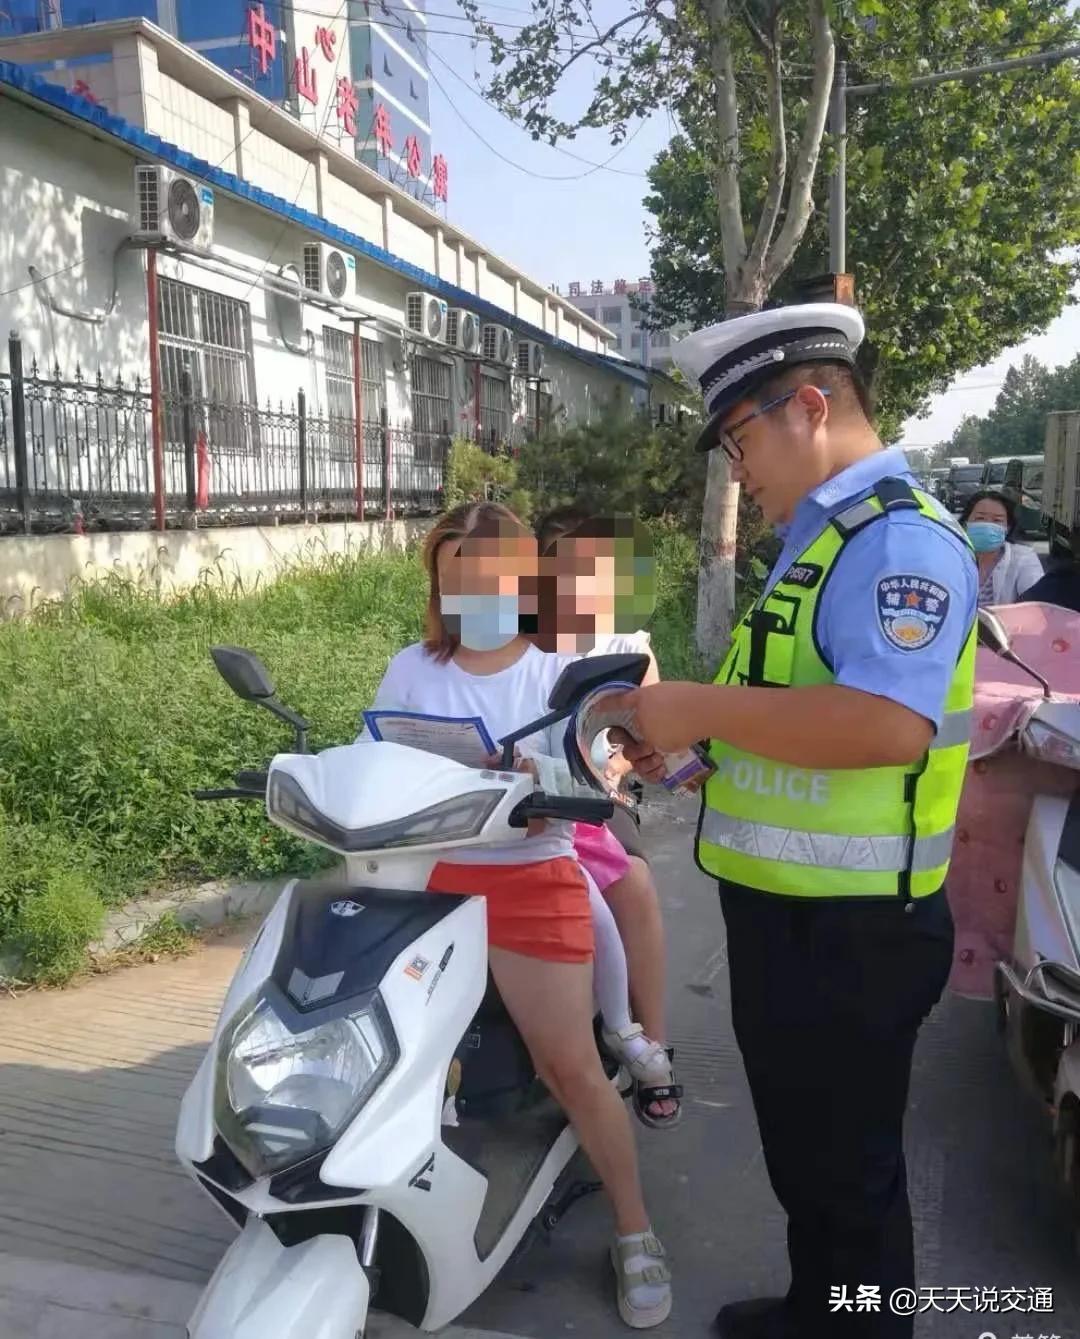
1006, 570
482, 565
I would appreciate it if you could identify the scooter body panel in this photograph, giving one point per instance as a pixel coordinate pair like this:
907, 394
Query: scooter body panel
1042, 923
263, 1290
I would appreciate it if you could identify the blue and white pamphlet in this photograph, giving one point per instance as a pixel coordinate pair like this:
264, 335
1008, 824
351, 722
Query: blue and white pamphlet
463, 739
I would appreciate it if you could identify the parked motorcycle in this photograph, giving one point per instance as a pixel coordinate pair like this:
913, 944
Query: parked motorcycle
367, 1113
1037, 987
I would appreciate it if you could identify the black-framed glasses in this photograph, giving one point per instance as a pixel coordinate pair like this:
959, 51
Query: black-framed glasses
730, 446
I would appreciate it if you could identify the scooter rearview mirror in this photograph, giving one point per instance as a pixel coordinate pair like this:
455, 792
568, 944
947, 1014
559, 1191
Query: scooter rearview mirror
993, 634
244, 672
575, 683
250, 680
580, 677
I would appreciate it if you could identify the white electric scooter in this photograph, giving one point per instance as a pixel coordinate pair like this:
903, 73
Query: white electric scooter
1038, 985
367, 1113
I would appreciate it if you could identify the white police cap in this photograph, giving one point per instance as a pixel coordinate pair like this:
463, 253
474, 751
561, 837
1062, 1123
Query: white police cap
734, 357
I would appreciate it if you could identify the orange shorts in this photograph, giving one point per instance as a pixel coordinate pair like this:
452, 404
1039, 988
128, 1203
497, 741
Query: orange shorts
539, 910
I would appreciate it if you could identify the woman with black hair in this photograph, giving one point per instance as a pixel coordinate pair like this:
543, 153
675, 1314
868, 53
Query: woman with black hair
1006, 570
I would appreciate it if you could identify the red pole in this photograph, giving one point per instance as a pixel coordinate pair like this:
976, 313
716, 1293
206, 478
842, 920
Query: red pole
155, 391
358, 413
476, 403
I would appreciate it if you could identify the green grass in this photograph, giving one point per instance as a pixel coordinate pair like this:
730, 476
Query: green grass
112, 714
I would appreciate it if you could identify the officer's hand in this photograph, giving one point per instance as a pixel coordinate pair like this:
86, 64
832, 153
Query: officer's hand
665, 715
645, 760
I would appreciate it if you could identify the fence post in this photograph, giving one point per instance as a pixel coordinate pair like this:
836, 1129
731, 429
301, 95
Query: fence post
187, 415
18, 427
387, 453
157, 440
301, 413
358, 417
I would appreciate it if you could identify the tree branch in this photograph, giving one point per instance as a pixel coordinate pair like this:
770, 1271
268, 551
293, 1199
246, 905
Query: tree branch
728, 192
800, 200
753, 270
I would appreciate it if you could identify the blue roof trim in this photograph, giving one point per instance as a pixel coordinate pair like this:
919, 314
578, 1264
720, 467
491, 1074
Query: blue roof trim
20, 78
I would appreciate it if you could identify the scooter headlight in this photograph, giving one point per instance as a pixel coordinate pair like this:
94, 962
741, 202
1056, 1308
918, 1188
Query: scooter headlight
284, 1096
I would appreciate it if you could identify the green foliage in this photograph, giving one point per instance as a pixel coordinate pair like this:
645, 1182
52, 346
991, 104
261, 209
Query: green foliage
475, 475
960, 197
57, 918
1016, 426
113, 714
618, 464
167, 937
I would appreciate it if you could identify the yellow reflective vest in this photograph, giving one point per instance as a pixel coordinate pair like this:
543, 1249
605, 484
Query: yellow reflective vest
870, 832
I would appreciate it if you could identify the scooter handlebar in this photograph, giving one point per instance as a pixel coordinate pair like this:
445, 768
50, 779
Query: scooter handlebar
589, 809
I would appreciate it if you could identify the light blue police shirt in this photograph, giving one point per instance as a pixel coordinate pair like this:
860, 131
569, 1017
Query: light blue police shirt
894, 613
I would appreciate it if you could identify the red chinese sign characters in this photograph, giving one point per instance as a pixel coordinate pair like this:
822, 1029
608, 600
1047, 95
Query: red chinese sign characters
326, 41
347, 104
306, 84
414, 158
440, 174
383, 137
620, 286
262, 37
82, 89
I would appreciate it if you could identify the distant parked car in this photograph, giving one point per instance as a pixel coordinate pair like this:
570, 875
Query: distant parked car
963, 481
993, 472
1024, 479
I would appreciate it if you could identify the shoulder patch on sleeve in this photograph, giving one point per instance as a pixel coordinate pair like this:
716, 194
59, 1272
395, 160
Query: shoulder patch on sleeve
911, 610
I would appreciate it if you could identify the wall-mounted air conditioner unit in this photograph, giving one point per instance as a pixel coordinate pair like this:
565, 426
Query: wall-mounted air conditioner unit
426, 315
463, 330
498, 344
329, 271
173, 208
530, 358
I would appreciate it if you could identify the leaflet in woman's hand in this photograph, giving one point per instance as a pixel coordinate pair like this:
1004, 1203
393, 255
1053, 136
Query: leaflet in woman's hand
463, 739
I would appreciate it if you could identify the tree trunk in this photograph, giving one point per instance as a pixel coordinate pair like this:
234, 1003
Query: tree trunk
719, 529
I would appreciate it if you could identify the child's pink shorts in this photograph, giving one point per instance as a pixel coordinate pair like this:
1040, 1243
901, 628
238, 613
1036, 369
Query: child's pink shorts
601, 854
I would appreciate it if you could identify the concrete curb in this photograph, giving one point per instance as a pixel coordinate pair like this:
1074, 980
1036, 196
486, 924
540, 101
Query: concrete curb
202, 908
44, 1297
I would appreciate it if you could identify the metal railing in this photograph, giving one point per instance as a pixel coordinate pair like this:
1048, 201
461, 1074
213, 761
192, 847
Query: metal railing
78, 453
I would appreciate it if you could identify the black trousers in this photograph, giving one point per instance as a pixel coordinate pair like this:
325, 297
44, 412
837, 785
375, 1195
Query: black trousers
827, 999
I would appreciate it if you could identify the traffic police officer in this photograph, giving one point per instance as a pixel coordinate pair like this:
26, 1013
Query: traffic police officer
828, 822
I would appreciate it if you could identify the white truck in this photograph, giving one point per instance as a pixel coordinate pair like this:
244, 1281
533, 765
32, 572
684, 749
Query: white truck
1061, 482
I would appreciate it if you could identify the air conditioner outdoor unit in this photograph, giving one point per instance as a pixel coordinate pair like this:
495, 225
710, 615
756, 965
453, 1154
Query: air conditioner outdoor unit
328, 270
426, 315
530, 358
174, 208
498, 344
463, 330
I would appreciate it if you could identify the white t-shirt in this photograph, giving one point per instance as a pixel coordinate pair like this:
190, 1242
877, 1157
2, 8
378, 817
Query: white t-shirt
623, 644
505, 701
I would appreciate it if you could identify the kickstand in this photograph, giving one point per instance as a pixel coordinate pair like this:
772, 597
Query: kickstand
578, 1190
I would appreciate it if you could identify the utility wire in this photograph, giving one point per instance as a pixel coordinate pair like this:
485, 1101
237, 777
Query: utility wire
568, 153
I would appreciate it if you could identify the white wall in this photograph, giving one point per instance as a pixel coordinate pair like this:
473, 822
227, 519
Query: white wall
202, 127
40, 568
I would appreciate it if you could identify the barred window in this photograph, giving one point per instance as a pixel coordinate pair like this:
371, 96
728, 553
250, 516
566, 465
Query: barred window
208, 337
538, 411
431, 408
494, 409
340, 399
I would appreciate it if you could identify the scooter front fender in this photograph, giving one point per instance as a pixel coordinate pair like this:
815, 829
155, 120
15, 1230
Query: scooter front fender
263, 1290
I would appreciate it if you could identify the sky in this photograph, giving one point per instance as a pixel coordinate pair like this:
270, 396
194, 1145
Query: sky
592, 223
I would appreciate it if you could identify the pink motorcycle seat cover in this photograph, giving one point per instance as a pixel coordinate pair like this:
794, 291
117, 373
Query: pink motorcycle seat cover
1002, 782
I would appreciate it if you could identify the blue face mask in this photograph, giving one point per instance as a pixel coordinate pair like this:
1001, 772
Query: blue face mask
482, 622
985, 536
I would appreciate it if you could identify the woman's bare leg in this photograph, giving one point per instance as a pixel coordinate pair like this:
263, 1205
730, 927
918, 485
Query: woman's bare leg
551, 1004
